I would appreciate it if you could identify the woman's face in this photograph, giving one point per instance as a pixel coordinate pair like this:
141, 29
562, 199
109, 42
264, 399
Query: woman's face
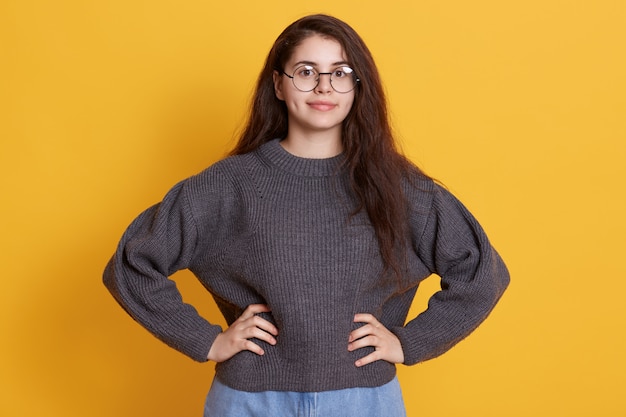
321, 110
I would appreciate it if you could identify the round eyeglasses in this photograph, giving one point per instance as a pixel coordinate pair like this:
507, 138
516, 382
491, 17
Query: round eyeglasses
305, 78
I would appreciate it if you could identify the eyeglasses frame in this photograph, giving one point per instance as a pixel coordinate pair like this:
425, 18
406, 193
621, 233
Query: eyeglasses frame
319, 75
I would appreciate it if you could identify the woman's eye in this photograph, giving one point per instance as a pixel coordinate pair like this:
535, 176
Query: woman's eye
306, 73
342, 72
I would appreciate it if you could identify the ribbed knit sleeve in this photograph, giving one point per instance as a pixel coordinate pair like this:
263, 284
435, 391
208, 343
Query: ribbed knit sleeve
454, 246
159, 242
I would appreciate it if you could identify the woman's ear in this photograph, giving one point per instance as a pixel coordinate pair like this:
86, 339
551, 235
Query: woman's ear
278, 85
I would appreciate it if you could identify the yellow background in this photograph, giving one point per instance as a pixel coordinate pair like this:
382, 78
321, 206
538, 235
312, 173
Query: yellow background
517, 106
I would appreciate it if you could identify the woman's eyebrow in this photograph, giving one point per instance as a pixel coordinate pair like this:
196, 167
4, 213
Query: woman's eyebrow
314, 64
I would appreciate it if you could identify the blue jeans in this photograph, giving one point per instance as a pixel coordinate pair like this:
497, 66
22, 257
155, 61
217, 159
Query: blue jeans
383, 401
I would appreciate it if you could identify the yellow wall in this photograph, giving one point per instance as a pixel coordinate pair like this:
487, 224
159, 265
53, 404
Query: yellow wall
517, 106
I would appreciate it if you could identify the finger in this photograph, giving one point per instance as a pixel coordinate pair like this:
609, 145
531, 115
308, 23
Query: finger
253, 309
263, 324
372, 357
361, 332
369, 341
253, 347
254, 327
365, 318
255, 332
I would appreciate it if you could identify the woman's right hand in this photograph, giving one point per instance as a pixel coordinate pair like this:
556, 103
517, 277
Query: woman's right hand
237, 337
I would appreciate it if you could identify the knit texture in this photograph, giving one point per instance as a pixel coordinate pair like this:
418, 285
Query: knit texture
269, 227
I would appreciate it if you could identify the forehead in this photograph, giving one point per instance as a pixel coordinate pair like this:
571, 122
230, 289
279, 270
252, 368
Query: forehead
318, 51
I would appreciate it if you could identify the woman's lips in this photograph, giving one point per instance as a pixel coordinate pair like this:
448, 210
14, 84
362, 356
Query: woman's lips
322, 105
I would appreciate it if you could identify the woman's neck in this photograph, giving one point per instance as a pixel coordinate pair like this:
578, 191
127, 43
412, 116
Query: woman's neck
313, 146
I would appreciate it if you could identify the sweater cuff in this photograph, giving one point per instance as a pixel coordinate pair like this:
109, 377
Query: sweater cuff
199, 344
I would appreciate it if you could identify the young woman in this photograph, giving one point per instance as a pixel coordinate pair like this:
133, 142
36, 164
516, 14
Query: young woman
312, 237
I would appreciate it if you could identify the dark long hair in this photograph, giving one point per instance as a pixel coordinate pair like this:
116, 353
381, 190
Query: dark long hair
376, 168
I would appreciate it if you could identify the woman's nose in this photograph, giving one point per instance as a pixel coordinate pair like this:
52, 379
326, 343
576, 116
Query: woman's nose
323, 83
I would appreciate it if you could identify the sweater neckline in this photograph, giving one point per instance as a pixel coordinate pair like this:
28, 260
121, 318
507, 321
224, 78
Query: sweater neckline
273, 152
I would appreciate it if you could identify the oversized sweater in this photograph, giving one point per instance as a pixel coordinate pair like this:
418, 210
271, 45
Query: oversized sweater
272, 228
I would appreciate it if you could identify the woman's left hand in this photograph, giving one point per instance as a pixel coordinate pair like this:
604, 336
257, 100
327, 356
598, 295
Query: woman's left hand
387, 346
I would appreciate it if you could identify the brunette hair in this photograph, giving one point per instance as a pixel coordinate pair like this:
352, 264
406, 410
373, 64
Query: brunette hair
376, 168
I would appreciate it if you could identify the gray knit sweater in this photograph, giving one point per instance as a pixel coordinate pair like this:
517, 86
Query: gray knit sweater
269, 227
